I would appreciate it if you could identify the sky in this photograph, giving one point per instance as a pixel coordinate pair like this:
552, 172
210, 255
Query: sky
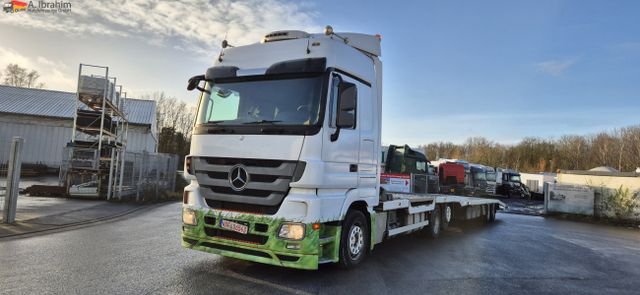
503, 70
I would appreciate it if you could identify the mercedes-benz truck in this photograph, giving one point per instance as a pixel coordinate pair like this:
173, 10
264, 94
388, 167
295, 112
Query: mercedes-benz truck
284, 166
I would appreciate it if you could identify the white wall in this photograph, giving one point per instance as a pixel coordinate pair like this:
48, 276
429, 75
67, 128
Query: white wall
572, 199
45, 138
605, 187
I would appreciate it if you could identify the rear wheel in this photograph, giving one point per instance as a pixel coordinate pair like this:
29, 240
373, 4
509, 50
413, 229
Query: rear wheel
434, 223
492, 212
487, 211
447, 216
354, 239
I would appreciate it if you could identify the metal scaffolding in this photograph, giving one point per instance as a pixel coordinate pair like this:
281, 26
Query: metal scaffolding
99, 138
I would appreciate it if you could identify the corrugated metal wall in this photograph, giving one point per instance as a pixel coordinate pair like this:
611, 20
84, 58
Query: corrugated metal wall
43, 142
46, 137
140, 139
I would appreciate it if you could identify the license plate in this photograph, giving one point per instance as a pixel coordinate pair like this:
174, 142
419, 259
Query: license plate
234, 226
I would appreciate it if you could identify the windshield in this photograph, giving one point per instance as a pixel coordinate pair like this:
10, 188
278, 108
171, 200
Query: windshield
491, 176
479, 176
514, 178
280, 102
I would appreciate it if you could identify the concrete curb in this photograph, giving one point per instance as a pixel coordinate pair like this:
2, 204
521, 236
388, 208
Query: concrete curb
522, 213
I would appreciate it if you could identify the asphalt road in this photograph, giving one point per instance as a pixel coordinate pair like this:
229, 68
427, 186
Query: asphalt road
142, 254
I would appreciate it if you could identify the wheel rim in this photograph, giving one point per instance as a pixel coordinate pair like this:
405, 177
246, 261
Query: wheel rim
356, 241
447, 213
436, 224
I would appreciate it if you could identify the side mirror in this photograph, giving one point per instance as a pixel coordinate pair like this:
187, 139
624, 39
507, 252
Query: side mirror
346, 111
194, 82
347, 100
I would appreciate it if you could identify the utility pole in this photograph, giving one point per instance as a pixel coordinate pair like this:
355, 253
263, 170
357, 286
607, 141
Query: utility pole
13, 181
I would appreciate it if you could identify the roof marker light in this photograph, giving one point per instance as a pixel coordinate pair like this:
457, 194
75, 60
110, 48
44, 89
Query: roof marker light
328, 30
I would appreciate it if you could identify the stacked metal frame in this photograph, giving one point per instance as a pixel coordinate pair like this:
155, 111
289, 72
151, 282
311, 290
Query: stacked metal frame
96, 153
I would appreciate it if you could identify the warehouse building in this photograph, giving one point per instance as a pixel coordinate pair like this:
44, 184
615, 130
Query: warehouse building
44, 118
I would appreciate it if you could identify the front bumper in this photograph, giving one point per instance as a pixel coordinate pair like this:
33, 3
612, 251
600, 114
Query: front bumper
261, 243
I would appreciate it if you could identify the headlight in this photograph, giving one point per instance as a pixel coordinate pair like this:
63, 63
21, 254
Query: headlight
291, 231
189, 217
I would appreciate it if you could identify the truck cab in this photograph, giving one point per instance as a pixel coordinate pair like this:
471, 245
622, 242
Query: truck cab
7, 6
491, 181
286, 142
508, 184
451, 177
478, 176
404, 162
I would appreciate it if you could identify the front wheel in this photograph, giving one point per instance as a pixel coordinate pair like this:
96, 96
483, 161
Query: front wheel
354, 239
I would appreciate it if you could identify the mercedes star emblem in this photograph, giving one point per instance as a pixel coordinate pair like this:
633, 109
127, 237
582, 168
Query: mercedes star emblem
238, 177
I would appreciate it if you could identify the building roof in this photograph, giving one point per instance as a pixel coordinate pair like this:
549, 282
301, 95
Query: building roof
604, 169
60, 104
601, 173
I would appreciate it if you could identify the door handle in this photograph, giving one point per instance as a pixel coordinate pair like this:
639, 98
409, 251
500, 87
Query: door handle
353, 168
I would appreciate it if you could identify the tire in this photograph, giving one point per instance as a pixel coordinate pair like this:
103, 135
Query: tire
354, 239
492, 213
487, 216
434, 227
447, 216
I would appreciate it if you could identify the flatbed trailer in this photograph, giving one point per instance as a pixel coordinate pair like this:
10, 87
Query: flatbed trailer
419, 211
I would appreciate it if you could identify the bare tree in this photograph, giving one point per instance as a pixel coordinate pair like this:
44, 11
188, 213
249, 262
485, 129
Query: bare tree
619, 148
18, 76
172, 113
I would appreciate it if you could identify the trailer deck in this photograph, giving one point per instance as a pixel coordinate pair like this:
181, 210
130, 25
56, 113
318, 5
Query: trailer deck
417, 211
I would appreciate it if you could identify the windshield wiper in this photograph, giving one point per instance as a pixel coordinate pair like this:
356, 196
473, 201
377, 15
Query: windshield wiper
262, 122
215, 122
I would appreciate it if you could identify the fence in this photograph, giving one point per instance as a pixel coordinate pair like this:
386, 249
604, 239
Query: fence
147, 175
142, 176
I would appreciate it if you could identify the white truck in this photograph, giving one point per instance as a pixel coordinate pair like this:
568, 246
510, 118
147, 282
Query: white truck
284, 165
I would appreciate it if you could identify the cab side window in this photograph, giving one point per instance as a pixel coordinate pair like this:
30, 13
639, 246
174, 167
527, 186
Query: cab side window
343, 99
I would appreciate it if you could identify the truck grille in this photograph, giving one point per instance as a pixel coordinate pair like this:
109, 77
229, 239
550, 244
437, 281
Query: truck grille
491, 189
267, 183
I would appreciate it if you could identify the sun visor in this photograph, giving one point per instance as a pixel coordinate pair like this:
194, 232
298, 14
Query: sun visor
306, 65
220, 72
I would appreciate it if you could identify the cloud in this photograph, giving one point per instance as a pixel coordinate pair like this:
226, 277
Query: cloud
555, 67
626, 47
51, 72
196, 25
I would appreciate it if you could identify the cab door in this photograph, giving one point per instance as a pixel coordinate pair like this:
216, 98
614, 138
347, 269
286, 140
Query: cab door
341, 144
367, 157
